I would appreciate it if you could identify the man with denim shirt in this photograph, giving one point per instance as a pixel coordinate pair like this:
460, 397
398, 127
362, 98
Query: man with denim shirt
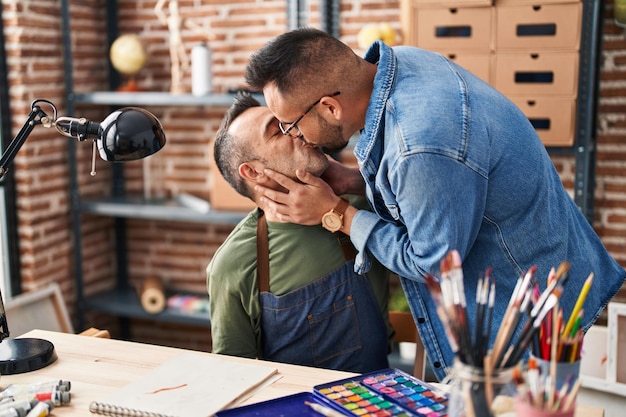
448, 163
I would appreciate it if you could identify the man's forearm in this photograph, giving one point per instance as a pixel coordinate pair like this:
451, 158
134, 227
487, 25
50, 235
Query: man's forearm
354, 183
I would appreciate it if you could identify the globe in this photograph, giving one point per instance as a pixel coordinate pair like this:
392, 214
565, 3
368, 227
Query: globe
376, 31
127, 54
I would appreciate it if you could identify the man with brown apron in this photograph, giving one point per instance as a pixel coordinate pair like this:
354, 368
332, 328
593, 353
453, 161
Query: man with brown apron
285, 292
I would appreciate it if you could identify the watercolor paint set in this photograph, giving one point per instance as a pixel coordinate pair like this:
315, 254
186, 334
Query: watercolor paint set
388, 392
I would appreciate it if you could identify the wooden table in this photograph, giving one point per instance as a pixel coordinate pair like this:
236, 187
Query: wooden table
96, 367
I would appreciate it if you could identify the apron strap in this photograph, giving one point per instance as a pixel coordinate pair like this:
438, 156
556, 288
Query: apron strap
263, 252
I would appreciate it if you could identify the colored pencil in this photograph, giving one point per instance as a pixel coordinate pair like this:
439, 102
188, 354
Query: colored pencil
579, 304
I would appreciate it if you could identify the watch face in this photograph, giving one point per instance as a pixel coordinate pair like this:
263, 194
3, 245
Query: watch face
331, 221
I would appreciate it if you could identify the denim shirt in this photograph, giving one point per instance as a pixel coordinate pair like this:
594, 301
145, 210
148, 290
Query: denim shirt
450, 163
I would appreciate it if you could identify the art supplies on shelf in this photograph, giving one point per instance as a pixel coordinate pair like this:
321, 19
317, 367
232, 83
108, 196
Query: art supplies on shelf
188, 303
189, 384
152, 295
155, 298
389, 392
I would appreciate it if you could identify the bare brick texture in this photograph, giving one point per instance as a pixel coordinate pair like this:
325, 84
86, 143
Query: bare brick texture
178, 252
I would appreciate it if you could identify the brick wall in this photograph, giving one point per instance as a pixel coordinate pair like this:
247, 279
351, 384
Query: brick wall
34, 55
610, 195
178, 252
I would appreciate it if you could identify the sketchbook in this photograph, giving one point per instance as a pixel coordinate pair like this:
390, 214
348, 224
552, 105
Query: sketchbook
187, 385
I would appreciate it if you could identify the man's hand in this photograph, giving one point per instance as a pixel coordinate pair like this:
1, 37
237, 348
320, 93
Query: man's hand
343, 179
304, 203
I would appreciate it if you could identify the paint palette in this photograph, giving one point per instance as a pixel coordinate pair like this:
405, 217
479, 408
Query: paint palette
389, 392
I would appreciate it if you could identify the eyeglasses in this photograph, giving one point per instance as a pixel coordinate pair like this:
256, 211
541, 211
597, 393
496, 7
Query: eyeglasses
293, 130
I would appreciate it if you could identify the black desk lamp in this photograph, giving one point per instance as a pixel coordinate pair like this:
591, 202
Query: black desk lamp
126, 134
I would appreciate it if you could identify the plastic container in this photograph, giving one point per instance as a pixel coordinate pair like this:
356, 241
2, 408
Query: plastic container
200, 70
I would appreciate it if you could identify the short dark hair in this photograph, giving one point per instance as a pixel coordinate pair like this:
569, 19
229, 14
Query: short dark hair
230, 152
297, 61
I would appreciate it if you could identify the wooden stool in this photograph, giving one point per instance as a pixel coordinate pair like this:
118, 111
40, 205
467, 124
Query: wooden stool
93, 332
406, 331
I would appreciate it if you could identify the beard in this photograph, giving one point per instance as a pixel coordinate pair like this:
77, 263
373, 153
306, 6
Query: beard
333, 140
308, 158
316, 164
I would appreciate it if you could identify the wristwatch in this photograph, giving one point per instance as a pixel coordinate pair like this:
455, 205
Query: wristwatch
333, 220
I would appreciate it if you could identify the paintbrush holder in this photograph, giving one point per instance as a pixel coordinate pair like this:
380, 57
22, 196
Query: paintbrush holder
475, 394
523, 408
565, 372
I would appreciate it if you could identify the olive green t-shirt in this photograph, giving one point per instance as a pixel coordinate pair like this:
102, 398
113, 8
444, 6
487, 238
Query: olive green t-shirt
299, 255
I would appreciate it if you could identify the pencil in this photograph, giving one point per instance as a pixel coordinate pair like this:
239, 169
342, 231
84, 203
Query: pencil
576, 347
323, 410
553, 353
571, 396
579, 304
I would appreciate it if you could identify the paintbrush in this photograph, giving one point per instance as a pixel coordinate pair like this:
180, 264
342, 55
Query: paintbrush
482, 297
487, 331
435, 290
455, 273
533, 325
520, 301
323, 410
517, 319
498, 344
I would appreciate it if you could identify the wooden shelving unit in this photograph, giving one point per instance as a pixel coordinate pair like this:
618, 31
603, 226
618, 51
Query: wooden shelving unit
123, 301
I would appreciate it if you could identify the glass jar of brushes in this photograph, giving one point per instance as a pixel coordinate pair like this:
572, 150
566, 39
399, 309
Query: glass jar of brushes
476, 392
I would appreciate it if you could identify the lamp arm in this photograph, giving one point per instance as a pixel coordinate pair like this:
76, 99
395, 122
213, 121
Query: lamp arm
127, 134
36, 117
4, 326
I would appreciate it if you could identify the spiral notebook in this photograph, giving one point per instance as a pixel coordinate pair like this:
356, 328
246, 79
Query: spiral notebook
187, 385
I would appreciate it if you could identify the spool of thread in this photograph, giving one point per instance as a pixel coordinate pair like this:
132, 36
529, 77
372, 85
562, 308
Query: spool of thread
200, 70
152, 295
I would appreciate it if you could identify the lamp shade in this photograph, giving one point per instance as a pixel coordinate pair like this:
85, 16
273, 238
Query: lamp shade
130, 133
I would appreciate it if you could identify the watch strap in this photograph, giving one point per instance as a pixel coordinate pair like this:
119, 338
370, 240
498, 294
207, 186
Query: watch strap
341, 207
349, 253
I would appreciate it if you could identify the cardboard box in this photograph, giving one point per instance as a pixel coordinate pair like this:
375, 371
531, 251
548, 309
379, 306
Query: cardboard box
538, 27
536, 74
499, 3
554, 119
223, 197
478, 64
458, 29
408, 13
452, 3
